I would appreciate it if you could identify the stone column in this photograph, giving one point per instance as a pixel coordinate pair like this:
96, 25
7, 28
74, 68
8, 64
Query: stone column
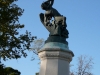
55, 58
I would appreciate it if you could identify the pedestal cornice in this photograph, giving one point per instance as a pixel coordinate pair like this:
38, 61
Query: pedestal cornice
54, 50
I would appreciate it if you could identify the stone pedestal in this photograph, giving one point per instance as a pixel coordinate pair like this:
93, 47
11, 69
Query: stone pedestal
55, 58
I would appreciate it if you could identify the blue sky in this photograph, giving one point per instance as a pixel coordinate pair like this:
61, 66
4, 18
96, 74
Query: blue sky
83, 24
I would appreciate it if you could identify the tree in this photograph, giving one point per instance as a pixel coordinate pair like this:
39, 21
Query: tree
11, 71
8, 70
84, 66
1, 68
12, 44
37, 45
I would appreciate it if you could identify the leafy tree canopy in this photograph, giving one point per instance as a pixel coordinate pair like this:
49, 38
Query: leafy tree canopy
12, 44
8, 70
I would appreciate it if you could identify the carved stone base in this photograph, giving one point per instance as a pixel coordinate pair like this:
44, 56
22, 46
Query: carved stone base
55, 58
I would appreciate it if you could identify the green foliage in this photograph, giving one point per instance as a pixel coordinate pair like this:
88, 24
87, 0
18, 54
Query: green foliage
12, 45
8, 70
11, 71
1, 68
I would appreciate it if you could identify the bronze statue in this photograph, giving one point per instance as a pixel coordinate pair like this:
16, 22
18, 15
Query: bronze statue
51, 12
56, 27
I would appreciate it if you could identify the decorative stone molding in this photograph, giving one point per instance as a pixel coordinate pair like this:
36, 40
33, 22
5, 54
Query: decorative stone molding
56, 54
53, 50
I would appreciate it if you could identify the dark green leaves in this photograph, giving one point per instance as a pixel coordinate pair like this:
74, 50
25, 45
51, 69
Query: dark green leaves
12, 45
8, 70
